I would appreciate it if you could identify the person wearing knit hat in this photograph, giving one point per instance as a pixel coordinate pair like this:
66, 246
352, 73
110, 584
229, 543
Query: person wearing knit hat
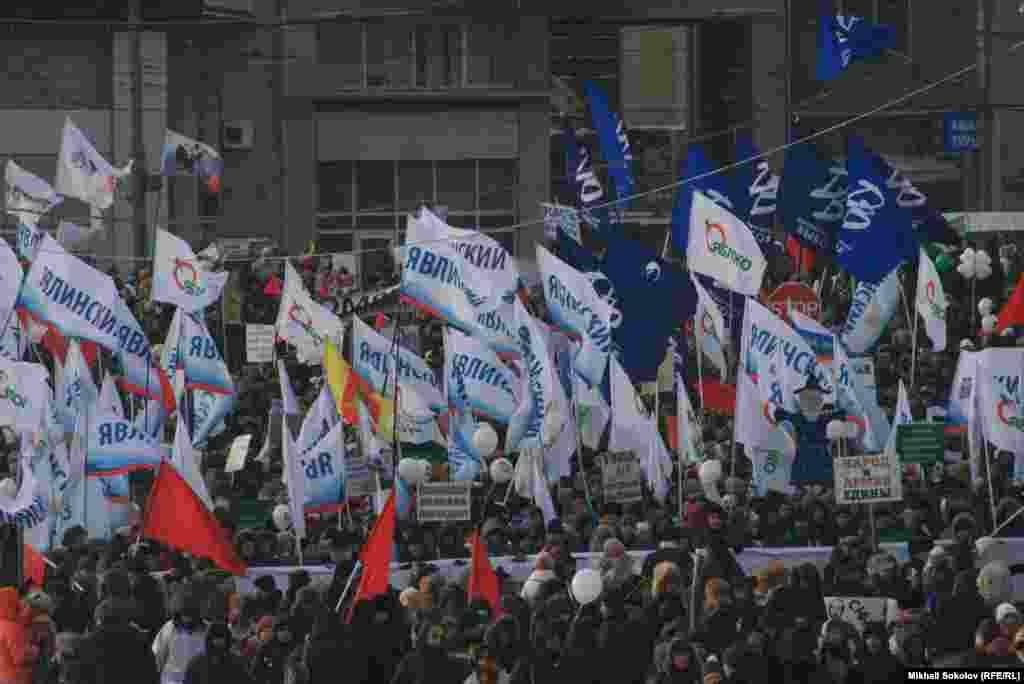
1009, 620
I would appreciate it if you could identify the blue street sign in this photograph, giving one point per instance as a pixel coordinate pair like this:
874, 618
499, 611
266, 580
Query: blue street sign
960, 131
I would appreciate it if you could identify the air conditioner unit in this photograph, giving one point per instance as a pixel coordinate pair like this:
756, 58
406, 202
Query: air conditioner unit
237, 135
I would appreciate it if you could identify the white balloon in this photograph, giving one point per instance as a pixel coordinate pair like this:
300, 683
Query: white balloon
982, 257
485, 440
988, 324
710, 471
966, 269
502, 470
967, 255
426, 469
985, 306
835, 430
282, 517
411, 470
8, 488
587, 586
983, 271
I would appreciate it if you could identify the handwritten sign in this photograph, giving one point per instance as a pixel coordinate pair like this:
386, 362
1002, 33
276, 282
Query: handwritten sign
443, 502
860, 611
868, 478
622, 477
259, 343
237, 454
359, 479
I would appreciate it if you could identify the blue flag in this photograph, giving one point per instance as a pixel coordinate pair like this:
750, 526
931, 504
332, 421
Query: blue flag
716, 187
731, 304
588, 193
843, 39
756, 193
813, 197
651, 298
614, 142
929, 225
876, 234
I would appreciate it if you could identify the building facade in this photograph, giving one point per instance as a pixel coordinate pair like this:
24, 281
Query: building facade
336, 118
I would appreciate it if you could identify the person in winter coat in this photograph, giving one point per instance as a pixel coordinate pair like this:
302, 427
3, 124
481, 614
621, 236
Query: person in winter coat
116, 649
429, 662
718, 625
957, 617
267, 665
332, 649
217, 665
675, 663
878, 665
181, 639
17, 653
534, 588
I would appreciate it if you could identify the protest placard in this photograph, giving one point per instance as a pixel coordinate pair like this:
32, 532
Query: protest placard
861, 611
236, 456
623, 481
359, 479
259, 343
868, 478
443, 502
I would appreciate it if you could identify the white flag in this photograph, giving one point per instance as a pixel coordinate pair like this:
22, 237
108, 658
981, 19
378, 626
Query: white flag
931, 302
71, 235
721, 246
82, 173
291, 403
320, 419
691, 437
28, 197
296, 481
709, 327
633, 430
110, 400
301, 321
185, 462
178, 278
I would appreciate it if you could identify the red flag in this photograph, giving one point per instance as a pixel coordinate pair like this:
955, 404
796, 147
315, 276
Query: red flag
1013, 310
273, 288
33, 566
802, 255
380, 322
175, 516
376, 554
718, 397
483, 582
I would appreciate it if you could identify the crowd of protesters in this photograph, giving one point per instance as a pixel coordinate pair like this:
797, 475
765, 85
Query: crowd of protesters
125, 609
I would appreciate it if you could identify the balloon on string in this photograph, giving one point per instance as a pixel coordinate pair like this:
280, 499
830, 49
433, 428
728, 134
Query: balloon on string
8, 488
282, 517
502, 470
710, 471
985, 306
835, 430
485, 440
988, 324
587, 586
412, 471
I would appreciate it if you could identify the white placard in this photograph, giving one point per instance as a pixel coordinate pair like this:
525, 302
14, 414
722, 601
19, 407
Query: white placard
443, 502
237, 454
865, 368
359, 479
860, 611
259, 343
868, 478
623, 481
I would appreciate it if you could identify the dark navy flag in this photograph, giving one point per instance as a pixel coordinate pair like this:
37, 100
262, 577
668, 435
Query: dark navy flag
650, 299
614, 142
877, 234
717, 187
572, 154
756, 193
812, 197
843, 39
929, 225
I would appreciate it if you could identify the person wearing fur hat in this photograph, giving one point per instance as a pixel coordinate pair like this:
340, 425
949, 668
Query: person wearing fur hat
716, 557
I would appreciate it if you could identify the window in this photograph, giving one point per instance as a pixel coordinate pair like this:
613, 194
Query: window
341, 45
389, 55
370, 196
487, 60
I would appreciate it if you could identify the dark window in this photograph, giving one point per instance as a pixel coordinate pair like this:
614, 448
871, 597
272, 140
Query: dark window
896, 14
415, 184
334, 244
498, 184
376, 183
341, 44
334, 186
451, 39
456, 185
490, 55
378, 263
389, 55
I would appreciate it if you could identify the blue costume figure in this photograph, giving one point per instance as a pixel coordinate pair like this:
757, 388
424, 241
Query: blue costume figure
813, 464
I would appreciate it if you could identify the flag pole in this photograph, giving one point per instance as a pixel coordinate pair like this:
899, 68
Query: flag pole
991, 488
348, 585
913, 345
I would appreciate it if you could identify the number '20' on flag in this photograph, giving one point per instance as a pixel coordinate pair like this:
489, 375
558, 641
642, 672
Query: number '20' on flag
876, 235
177, 278
722, 247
